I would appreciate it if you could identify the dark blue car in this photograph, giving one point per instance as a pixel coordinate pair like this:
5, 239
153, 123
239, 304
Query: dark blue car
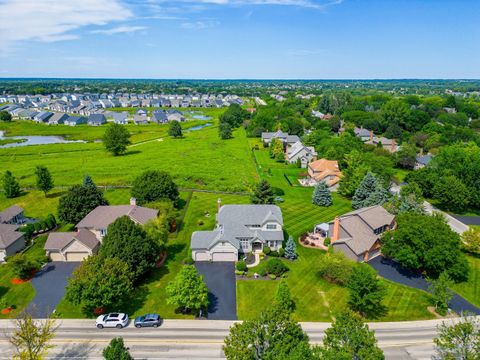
149, 320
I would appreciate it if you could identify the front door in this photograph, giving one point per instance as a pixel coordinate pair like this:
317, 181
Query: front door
257, 246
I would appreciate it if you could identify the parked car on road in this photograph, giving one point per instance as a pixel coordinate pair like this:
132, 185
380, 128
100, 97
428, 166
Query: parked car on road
112, 320
149, 320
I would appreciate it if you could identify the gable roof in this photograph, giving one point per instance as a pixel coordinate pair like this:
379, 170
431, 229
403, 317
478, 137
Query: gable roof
9, 235
9, 213
249, 214
58, 118
102, 216
59, 240
97, 119
298, 147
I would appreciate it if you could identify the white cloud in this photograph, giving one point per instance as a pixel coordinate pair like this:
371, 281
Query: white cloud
315, 4
53, 20
119, 30
201, 24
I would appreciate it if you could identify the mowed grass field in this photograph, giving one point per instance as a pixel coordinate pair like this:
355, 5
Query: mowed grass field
199, 160
470, 290
316, 299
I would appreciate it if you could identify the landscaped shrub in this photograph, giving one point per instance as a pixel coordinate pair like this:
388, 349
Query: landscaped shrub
273, 253
262, 272
327, 241
266, 250
241, 266
22, 266
281, 252
272, 276
188, 261
238, 272
306, 242
276, 267
277, 191
335, 268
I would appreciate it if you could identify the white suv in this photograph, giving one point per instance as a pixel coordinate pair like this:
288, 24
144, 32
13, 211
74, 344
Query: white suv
112, 320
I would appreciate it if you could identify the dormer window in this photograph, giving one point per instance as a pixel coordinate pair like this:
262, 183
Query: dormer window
103, 232
271, 227
380, 230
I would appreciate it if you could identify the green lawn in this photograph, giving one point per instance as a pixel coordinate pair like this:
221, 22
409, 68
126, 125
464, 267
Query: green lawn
200, 160
19, 294
316, 299
151, 295
470, 290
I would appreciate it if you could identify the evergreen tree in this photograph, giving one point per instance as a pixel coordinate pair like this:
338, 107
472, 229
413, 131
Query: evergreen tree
10, 185
88, 181
175, 129
263, 193
378, 197
44, 179
116, 350
283, 298
321, 195
366, 188
291, 249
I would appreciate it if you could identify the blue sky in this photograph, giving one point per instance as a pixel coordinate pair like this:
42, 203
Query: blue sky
240, 39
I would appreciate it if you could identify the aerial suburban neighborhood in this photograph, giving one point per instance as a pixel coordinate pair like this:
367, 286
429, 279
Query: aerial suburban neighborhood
240, 180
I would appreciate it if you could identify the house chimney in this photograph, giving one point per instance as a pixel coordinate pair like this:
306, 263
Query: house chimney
394, 145
336, 230
219, 204
371, 135
133, 201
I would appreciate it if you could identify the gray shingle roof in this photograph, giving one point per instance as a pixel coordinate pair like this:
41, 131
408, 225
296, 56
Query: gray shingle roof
102, 216
424, 160
59, 240
9, 213
9, 235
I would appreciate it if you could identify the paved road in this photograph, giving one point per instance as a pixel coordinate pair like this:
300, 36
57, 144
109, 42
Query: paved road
203, 339
456, 225
392, 271
220, 280
49, 284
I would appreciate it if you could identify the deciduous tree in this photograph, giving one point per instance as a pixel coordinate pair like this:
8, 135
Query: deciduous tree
129, 242
188, 290
366, 293
78, 202
153, 185
116, 350
471, 240
225, 131
349, 338
459, 339
5, 116
175, 129
44, 179
116, 139
441, 293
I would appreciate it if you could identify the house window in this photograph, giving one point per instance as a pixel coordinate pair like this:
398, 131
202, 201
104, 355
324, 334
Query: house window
255, 226
103, 232
271, 226
244, 243
380, 230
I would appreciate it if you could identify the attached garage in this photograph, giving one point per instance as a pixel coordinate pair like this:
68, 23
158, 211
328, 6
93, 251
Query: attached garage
56, 256
202, 256
76, 256
224, 257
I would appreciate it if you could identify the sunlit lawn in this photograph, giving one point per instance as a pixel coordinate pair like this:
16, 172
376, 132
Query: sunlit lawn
470, 290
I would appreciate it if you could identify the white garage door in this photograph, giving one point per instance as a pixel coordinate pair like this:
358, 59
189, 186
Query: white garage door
55, 256
201, 256
76, 256
224, 257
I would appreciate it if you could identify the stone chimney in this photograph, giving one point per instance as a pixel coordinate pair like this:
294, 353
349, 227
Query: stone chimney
219, 204
336, 230
133, 201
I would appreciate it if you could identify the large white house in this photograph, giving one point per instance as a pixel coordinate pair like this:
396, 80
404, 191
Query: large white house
240, 229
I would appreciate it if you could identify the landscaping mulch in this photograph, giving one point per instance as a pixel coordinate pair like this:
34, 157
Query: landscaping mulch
161, 260
6, 311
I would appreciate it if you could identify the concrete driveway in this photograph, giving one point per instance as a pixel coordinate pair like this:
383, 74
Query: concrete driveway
393, 271
220, 279
49, 284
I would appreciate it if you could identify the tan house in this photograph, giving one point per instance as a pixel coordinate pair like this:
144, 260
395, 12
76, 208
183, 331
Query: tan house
357, 233
71, 246
76, 246
326, 171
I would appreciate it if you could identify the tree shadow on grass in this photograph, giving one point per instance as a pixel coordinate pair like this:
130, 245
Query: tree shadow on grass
3, 291
56, 194
137, 300
131, 152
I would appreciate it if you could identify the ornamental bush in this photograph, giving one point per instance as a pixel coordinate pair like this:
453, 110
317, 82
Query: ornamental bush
276, 267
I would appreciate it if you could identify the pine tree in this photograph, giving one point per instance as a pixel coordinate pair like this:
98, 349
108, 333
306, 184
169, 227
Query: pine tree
88, 181
283, 298
378, 197
366, 188
10, 185
321, 195
263, 193
291, 249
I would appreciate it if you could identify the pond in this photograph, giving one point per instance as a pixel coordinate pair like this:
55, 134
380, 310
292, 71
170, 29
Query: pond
16, 141
198, 127
198, 115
